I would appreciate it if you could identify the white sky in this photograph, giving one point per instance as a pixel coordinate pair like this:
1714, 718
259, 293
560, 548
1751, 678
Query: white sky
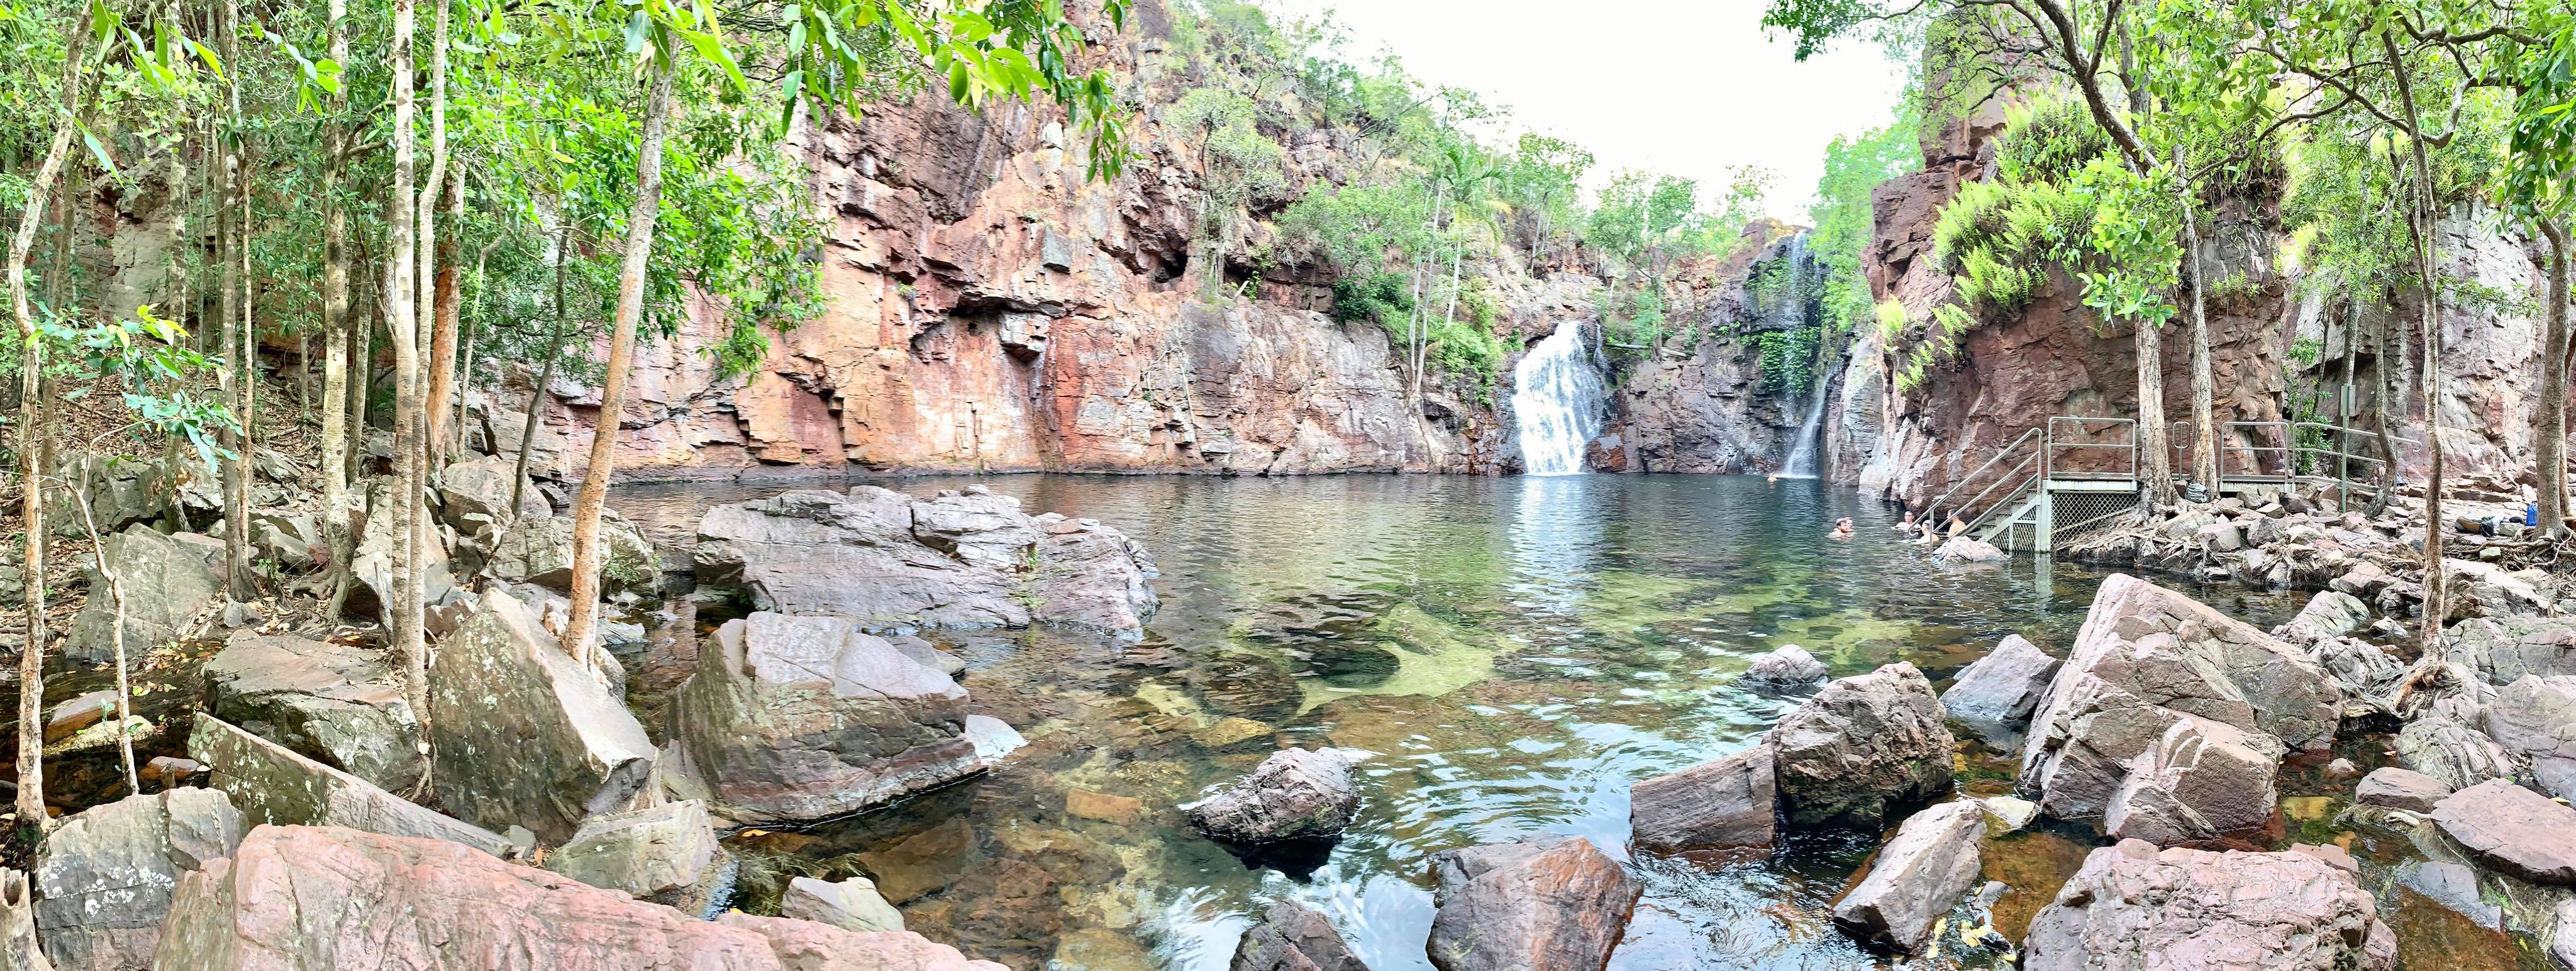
1689, 87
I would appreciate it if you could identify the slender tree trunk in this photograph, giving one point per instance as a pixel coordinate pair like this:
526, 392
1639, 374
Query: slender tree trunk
31, 441
455, 442
402, 326
443, 337
2204, 423
233, 238
2386, 369
546, 377
2155, 448
335, 326
2549, 432
116, 638
2436, 584
593, 500
2343, 420
240, 577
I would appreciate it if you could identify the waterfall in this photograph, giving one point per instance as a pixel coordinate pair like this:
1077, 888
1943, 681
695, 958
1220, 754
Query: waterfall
1556, 394
1802, 456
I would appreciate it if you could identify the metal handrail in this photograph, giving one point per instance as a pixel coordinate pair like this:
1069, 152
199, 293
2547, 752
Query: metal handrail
1933, 508
2049, 468
2020, 482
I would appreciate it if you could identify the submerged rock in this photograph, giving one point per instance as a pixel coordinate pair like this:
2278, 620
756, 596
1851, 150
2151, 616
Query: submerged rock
1916, 877
806, 718
273, 785
2146, 658
168, 581
1295, 793
1555, 904
851, 905
1724, 804
523, 733
103, 878
433, 906
971, 559
1861, 746
2513, 829
339, 704
1998, 692
2203, 783
1785, 669
2132, 906
1294, 937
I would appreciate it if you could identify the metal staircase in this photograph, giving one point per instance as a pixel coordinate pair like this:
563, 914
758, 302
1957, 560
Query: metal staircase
2054, 483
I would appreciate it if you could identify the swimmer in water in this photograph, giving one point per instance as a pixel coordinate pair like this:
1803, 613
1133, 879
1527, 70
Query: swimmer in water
1905, 525
1842, 529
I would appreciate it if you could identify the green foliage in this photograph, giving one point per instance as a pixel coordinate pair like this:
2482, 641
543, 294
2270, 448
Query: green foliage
1359, 228
1844, 218
1382, 296
2048, 140
1789, 359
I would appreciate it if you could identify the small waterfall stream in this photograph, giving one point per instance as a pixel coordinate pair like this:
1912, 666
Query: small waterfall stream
1811, 433
1557, 391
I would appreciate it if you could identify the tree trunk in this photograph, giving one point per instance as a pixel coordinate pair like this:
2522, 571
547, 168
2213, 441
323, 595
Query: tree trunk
239, 577
455, 442
231, 242
2155, 450
2436, 603
443, 338
402, 326
2386, 369
31, 442
2204, 423
335, 327
546, 377
116, 638
593, 500
2549, 432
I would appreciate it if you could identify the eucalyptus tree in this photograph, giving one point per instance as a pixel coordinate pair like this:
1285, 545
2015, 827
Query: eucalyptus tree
2540, 164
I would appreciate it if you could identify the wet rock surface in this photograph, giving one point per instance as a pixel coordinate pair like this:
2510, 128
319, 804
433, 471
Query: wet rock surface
1532, 904
1728, 803
1293, 937
1785, 669
1917, 876
1861, 746
2134, 906
1998, 692
2512, 829
967, 559
805, 718
1293, 794
2390, 787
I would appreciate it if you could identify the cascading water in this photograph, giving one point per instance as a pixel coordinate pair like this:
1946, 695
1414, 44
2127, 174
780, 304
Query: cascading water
1802, 456
1556, 394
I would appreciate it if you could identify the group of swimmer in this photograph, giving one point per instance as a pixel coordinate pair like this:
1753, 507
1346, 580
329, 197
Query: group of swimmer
1922, 533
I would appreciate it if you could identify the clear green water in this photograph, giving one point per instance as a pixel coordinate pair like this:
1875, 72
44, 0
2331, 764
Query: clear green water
1517, 651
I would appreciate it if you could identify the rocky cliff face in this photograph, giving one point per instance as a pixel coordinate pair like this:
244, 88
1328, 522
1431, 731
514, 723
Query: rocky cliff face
1707, 406
990, 309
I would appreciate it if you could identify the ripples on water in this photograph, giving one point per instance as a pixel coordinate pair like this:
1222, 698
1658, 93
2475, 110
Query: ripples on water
1517, 652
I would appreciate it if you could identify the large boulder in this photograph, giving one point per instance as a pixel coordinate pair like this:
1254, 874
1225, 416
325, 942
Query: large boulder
2513, 829
2505, 649
538, 550
2364, 671
1725, 804
340, 704
1916, 877
477, 491
2458, 755
1293, 937
962, 559
2534, 720
372, 571
1293, 794
523, 734
2331, 613
296, 898
1784, 669
1966, 549
1998, 692
103, 878
852, 905
276, 786
168, 581
2133, 906
666, 854
1555, 904
2145, 658
1861, 746
2203, 783
805, 718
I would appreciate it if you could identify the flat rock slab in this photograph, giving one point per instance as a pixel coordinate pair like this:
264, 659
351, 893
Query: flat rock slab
1560, 905
2390, 787
272, 784
289, 898
853, 904
1294, 937
339, 704
2132, 906
525, 735
1725, 804
2513, 829
1916, 878
1861, 746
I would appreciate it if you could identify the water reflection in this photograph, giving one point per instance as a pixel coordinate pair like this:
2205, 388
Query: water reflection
1516, 652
